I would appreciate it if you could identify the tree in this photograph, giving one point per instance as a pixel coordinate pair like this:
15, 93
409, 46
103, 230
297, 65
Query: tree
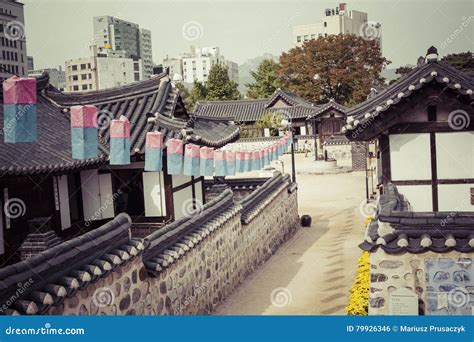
267, 80
184, 92
199, 92
463, 61
271, 121
401, 71
219, 86
342, 67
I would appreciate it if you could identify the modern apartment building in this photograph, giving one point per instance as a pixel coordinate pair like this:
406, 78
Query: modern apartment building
105, 69
195, 65
146, 53
12, 39
57, 76
30, 62
112, 33
336, 21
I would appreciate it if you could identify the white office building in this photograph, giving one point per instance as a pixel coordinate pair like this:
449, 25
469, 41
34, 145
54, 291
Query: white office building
336, 21
12, 40
196, 65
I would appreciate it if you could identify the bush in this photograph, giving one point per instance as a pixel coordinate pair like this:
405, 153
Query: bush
359, 297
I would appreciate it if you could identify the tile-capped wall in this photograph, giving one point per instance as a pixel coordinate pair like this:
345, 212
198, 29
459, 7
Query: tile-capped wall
202, 277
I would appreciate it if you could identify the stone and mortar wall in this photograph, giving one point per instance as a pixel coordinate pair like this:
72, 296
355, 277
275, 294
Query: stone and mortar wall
200, 279
341, 152
389, 272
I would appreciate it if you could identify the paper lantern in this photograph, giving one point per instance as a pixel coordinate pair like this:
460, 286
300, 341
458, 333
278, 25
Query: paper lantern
174, 156
256, 160
230, 163
191, 160
19, 110
154, 151
239, 161
219, 163
120, 141
206, 155
84, 132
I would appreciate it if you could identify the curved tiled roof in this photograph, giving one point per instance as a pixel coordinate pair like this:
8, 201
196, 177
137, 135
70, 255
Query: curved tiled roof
151, 105
431, 72
175, 239
258, 199
52, 153
253, 110
395, 229
61, 271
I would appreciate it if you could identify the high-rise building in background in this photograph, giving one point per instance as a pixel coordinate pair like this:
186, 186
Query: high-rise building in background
112, 33
12, 39
336, 21
30, 61
195, 65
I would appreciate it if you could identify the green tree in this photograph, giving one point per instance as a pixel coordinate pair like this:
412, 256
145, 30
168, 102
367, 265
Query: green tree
219, 86
267, 80
463, 61
401, 71
184, 92
339, 67
271, 121
199, 92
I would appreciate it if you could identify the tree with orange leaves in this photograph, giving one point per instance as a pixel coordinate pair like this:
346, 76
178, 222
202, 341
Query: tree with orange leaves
343, 68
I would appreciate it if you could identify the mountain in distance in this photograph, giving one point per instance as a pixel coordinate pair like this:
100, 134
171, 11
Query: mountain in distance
248, 66
390, 73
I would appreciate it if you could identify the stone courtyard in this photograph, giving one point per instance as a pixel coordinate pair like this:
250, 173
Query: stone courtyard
311, 274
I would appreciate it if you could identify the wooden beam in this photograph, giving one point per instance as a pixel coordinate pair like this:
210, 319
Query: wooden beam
434, 172
385, 153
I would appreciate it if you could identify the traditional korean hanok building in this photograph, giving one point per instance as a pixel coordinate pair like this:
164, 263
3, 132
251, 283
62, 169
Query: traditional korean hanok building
282, 104
328, 120
422, 236
47, 192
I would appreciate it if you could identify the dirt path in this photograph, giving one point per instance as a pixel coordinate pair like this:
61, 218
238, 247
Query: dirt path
310, 274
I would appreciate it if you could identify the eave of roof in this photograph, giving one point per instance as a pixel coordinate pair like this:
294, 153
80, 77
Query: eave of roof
368, 112
396, 229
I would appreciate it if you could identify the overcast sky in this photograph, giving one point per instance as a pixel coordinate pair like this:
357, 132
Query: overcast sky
58, 30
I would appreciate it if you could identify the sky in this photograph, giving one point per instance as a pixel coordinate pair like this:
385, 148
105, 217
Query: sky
59, 30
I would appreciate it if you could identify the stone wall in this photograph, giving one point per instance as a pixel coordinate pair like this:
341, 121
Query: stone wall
432, 276
200, 278
341, 152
